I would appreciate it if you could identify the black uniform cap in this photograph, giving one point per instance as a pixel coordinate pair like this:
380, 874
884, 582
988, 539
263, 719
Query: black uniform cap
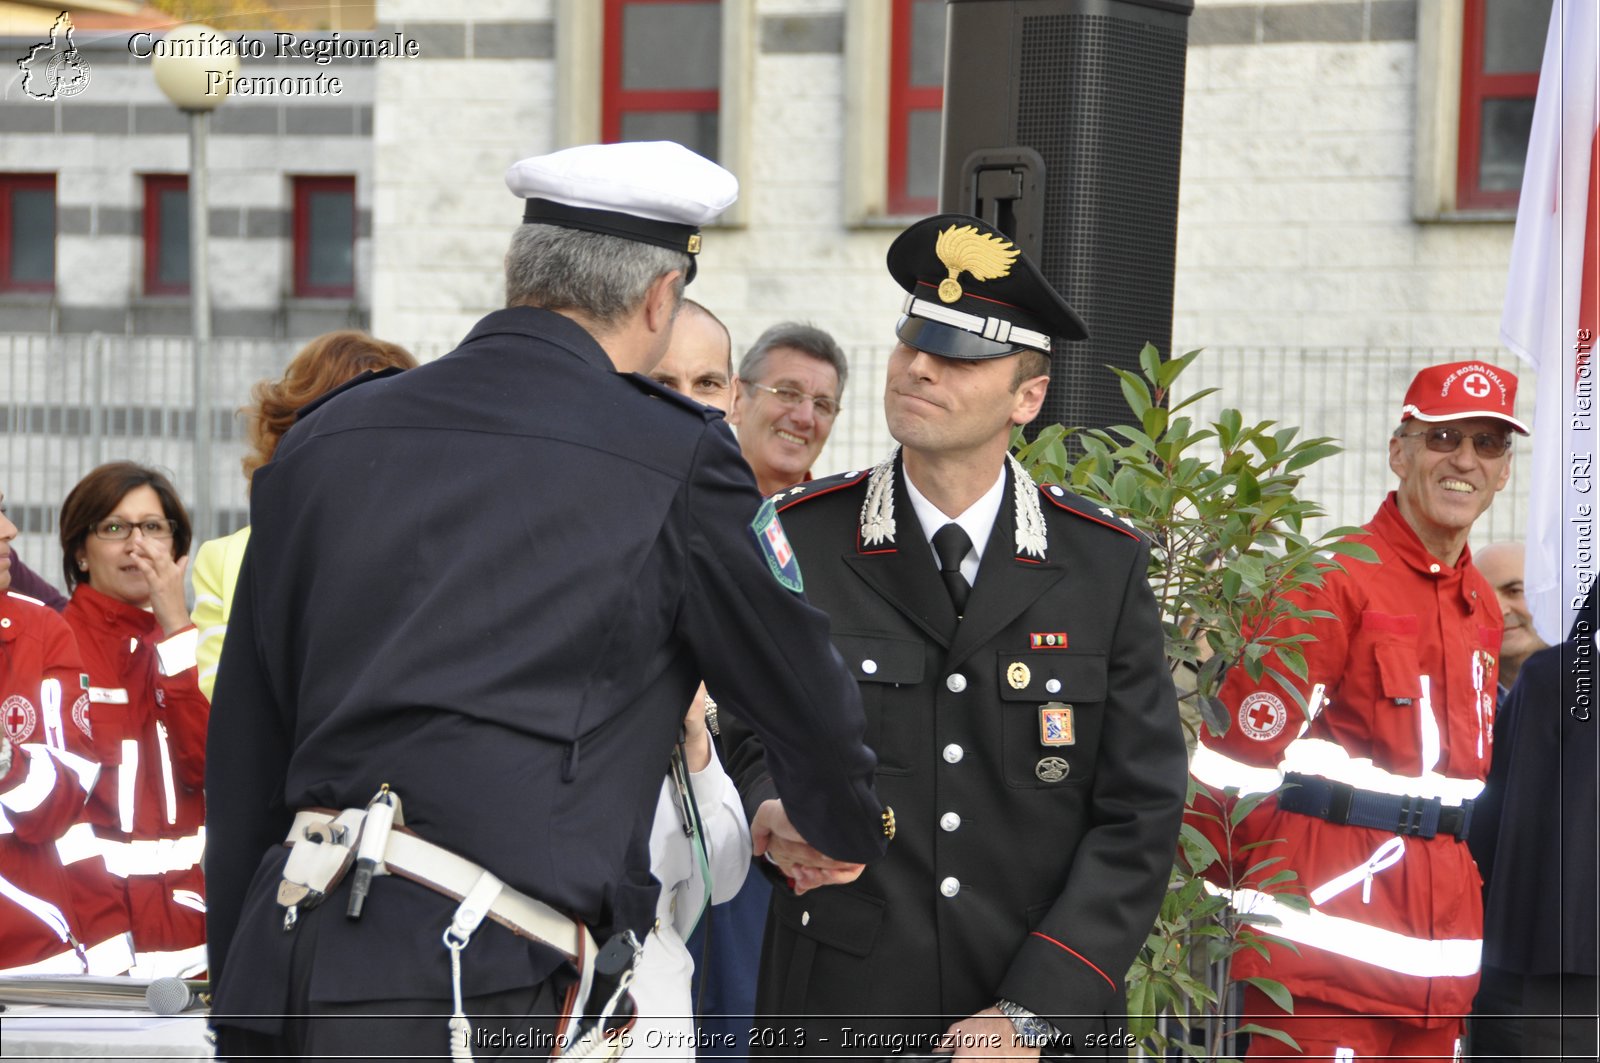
972, 293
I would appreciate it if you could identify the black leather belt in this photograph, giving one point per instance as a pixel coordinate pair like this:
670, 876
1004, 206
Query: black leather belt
1338, 802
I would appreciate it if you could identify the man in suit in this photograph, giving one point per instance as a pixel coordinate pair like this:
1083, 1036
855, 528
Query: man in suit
477, 597
1534, 836
1009, 654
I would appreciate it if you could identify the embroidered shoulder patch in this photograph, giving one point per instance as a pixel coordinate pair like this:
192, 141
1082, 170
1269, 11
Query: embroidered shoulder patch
775, 547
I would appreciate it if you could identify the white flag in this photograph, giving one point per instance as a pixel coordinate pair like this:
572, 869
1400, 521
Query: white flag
1549, 317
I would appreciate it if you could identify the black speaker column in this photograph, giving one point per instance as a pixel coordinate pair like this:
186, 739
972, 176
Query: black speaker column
1063, 122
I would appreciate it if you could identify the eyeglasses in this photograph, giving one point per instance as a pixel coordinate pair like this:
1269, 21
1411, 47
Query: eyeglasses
825, 406
117, 530
1446, 440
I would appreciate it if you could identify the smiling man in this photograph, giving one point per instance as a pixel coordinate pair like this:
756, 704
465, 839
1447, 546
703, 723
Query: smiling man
1399, 687
1009, 655
790, 385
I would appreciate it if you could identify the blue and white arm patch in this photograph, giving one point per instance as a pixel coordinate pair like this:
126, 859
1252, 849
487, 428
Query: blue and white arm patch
775, 547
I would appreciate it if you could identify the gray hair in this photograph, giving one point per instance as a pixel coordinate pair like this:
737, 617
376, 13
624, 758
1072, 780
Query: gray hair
802, 337
601, 277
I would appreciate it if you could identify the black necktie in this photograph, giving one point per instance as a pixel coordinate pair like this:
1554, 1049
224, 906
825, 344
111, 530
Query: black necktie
952, 544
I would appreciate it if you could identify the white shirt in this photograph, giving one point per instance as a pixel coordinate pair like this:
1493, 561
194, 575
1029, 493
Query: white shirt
977, 520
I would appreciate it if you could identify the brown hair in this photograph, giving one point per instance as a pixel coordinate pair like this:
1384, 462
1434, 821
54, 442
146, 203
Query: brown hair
98, 493
323, 364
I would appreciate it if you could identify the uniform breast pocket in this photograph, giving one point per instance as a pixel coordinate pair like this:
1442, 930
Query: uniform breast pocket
1051, 707
889, 671
1394, 651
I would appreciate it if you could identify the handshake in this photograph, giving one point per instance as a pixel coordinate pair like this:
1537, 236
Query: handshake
774, 837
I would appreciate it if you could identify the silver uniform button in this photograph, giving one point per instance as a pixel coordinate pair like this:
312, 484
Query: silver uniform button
805, 918
949, 821
869, 666
956, 683
1052, 686
950, 887
953, 753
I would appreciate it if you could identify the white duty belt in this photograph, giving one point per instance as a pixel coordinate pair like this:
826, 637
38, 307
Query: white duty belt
444, 872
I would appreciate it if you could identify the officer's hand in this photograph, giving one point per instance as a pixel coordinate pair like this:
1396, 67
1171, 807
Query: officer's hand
986, 1035
696, 739
773, 836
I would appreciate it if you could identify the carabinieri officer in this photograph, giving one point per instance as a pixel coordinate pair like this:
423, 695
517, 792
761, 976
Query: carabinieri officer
477, 597
1010, 660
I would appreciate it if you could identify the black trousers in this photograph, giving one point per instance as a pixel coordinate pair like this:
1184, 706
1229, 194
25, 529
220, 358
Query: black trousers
513, 1024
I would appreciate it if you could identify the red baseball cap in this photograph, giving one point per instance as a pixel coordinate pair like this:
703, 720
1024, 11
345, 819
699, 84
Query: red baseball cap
1459, 390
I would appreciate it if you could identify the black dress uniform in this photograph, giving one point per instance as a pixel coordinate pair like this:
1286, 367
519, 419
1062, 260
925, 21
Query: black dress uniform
1032, 752
492, 583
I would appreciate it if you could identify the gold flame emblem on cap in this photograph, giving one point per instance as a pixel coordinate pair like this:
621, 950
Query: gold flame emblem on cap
964, 248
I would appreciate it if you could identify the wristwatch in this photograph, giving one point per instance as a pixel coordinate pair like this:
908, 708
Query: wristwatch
1032, 1031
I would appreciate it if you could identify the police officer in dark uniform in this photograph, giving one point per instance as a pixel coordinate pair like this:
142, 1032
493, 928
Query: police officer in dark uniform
476, 599
1010, 660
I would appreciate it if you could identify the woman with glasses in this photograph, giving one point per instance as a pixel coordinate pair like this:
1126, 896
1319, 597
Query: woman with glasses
125, 544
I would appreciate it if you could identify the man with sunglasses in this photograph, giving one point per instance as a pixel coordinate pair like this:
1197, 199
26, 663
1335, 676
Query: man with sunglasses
1380, 768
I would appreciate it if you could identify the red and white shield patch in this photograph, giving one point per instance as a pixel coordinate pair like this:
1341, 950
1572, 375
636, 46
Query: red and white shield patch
19, 716
1263, 716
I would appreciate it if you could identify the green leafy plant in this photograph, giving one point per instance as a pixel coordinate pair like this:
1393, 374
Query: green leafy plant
1220, 505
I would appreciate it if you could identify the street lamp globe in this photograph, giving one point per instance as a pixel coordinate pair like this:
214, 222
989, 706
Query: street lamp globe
192, 67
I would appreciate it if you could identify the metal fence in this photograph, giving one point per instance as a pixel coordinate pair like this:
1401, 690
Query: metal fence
68, 403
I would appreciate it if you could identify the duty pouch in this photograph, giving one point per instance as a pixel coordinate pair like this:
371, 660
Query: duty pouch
318, 860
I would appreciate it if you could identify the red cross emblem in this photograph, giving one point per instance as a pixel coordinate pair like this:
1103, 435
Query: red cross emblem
19, 717
1476, 385
1263, 716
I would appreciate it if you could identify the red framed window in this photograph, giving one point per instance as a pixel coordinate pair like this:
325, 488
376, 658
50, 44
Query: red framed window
916, 104
166, 234
1502, 48
661, 76
28, 232
325, 237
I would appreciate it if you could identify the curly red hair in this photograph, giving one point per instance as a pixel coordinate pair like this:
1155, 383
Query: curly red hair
323, 364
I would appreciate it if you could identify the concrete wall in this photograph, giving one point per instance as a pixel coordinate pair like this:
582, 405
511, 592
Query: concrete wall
100, 143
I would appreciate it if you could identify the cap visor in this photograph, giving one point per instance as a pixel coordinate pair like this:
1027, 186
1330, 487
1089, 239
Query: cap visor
1493, 415
949, 342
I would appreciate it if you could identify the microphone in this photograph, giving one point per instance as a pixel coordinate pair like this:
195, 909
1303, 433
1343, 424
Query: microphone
173, 996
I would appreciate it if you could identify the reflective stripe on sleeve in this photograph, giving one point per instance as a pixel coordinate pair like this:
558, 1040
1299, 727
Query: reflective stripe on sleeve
143, 857
1329, 760
1392, 951
167, 789
1220, 771
40, 909
127, 783
1318, 756
41, 779
50, 706
83, 769
178, 652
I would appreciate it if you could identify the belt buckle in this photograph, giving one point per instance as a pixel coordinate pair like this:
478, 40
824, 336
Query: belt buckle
1410, 818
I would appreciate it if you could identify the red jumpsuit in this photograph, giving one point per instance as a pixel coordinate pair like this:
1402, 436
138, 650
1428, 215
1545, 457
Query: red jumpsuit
138, 858
42, 706
1401, 681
